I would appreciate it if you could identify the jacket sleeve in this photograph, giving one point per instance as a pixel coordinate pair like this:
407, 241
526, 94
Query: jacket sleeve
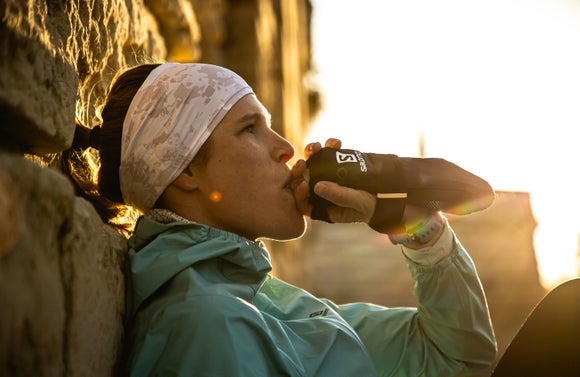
230, 333
448, 334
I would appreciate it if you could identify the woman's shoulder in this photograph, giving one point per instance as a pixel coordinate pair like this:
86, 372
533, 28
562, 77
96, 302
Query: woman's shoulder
211, 307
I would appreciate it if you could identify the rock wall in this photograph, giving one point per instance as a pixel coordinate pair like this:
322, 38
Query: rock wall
61, 280
61, 268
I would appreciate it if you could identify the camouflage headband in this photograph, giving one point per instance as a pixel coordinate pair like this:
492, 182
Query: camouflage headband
172, 114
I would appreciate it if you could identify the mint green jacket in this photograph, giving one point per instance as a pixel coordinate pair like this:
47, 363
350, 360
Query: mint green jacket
201, 302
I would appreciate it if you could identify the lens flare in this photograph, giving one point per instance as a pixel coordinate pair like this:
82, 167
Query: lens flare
215, 196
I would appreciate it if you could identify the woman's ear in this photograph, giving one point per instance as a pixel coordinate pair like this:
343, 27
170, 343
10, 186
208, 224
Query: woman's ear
186, 181
177, 193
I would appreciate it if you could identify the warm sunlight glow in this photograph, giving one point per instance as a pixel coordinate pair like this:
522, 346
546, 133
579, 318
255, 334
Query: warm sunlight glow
215, 196
493, 85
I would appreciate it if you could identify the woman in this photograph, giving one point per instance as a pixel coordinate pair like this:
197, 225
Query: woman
191, 147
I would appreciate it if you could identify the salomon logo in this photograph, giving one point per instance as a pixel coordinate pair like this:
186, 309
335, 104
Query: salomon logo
342, 158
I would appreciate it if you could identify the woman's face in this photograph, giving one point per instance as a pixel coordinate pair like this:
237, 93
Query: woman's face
244, 184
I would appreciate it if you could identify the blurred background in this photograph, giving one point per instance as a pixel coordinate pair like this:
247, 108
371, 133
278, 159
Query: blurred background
493, 86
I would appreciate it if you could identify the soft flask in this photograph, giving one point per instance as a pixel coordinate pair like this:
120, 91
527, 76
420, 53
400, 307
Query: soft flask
431, 183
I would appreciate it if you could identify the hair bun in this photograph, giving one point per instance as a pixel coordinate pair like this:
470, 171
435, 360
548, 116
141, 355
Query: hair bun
86, 137
95, 137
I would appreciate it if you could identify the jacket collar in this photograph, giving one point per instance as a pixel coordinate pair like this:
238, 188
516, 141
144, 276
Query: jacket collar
157, 252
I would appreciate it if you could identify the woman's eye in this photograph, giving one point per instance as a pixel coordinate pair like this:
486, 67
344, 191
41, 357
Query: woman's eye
249, 128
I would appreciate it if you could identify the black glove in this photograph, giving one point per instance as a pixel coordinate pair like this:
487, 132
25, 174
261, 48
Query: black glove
431, 183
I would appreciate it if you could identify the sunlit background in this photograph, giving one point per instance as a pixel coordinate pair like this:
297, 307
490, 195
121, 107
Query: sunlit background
492, 85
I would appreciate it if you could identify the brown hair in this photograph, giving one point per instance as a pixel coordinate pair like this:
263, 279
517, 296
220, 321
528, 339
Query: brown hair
81, 163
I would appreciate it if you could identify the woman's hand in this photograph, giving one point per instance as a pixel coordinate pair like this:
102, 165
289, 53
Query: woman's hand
300, 187
350, 205
313, 148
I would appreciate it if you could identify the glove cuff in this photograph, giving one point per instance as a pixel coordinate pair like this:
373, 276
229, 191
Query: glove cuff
388, 214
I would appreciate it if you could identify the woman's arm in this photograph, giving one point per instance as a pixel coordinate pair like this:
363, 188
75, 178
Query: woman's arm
450, 332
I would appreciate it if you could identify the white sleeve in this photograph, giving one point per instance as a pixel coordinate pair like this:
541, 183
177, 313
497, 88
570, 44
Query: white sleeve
435, 253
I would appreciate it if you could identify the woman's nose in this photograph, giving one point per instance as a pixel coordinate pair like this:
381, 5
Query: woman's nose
284, 151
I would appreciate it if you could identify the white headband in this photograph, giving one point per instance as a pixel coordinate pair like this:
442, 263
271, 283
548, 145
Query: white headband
172, 114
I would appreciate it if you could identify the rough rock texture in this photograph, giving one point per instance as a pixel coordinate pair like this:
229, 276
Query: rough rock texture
31, 284
96, 291
53, 52
61, 277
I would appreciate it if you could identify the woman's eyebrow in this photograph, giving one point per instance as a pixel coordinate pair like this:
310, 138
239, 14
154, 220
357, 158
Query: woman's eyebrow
255, 115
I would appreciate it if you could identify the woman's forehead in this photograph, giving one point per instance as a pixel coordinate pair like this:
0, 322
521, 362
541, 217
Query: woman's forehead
248, 108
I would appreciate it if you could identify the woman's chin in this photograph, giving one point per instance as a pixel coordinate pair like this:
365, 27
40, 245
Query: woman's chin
290, 232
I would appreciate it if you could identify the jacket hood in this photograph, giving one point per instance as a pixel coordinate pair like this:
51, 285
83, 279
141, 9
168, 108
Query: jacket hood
158, 252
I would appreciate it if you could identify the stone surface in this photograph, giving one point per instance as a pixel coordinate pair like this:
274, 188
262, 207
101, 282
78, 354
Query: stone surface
95, 288
55, 52
32, 331
61, 277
